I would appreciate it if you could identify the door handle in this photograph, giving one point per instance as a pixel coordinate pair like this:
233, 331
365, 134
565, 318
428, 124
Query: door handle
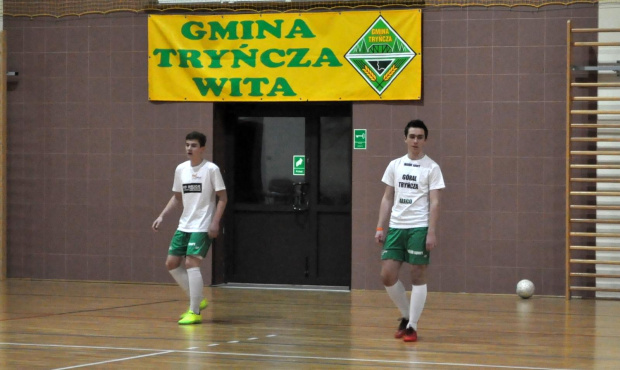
301, 208
300, 196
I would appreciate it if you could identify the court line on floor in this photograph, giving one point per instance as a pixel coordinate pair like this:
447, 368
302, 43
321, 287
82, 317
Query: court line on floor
115, 360
37, 316
274, 356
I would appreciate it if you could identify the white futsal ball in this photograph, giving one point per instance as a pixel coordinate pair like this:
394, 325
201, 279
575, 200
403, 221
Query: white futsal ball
525, 289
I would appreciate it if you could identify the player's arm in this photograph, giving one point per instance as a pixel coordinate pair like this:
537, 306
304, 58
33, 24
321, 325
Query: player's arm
384, 213
433, 216
222, 199
175, 201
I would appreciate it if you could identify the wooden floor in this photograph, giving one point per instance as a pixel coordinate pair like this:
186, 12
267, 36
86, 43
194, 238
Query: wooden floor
67, 325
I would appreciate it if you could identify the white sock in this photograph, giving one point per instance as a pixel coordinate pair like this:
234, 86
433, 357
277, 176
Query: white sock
195, 288
179, 275
399, 297
418, 299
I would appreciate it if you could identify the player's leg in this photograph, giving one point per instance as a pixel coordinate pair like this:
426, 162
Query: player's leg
197, 248
392, 258
178, 269
176, 255
419, 258
418, 294
194, 277
196, 282
394, 287
389, 271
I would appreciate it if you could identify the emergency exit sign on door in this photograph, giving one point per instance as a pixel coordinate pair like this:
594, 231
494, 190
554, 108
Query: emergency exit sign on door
299, 165
359, 139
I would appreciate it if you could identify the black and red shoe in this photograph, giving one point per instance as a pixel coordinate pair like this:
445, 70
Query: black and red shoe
401, 328
410, 335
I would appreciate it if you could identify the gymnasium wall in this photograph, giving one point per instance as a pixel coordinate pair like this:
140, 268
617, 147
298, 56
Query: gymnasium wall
494, 100
90, 160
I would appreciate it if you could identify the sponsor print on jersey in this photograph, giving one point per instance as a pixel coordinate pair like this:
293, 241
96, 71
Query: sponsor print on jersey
192, 188
408, 182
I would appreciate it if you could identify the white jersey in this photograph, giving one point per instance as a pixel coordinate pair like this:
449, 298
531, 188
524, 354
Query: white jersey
412, 181
197, 186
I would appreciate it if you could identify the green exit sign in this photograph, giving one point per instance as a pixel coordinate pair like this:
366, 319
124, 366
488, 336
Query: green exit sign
299, 165
359, 139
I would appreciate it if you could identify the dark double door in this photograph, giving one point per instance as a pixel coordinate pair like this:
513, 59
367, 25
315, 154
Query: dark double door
287, 169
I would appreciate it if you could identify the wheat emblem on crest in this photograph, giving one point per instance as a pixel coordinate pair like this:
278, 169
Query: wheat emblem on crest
369, 73
390, 73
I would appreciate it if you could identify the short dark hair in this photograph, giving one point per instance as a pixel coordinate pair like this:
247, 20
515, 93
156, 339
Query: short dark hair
416, 123
195, 135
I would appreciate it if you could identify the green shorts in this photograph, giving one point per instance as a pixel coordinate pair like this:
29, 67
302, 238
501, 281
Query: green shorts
189, 244
406, 245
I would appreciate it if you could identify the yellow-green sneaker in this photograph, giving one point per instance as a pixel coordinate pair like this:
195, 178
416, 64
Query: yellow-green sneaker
190, 318
203, 304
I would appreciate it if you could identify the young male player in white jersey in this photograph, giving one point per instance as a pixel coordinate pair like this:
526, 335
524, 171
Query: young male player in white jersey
197, 182
411, 204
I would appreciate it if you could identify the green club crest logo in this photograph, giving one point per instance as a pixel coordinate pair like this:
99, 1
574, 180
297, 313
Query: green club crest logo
380, 55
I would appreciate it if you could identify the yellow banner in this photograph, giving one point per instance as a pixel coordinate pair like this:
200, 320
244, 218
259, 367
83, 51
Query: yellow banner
286, 57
